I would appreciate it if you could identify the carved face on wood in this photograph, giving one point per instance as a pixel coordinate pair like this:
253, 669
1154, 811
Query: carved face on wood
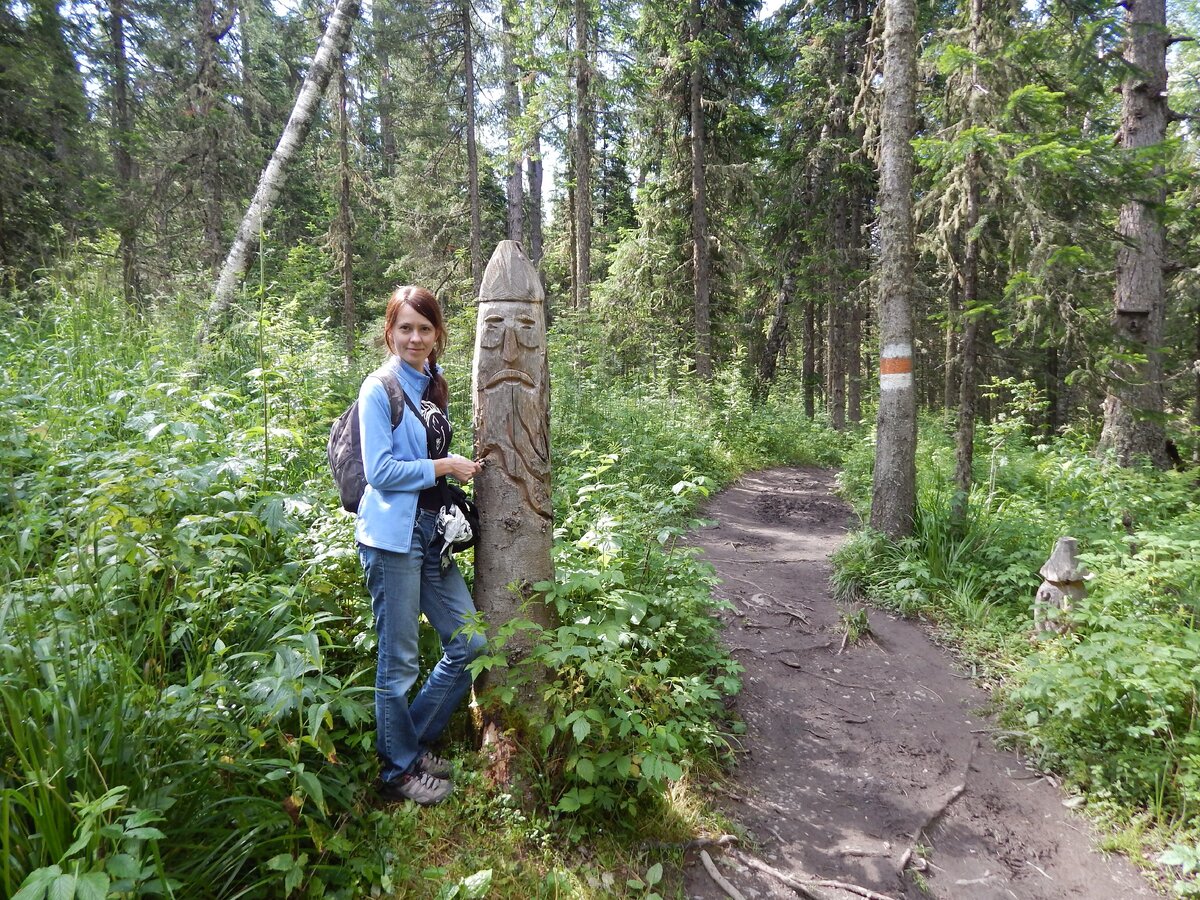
512, 428
512, 331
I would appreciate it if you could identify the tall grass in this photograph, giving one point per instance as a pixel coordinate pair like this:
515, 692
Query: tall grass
185, 646
172, 695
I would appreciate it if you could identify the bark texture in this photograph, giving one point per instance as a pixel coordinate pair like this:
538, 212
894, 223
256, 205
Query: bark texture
810, 361
345, 228
514, 181
472, 148
964, 438
700, 250
387, 123
534, 173
776, 336
583, 156
893, 497
207, 90
1133, 409
126, 171
329, 51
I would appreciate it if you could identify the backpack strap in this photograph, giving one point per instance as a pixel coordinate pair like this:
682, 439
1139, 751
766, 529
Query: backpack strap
395, 392
412, 406
440, 482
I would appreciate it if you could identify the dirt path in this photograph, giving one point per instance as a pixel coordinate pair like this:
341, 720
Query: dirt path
849, 756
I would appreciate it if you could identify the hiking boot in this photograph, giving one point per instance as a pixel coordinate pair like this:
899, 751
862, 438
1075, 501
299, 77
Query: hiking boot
434, 765
420, 787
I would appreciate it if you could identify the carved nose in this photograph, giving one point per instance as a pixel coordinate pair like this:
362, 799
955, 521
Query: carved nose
510, 346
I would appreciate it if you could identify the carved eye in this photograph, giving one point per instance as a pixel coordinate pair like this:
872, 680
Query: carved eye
493, 332
527, 332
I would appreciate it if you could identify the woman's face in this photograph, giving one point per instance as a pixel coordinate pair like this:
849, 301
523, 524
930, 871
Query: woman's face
413, 337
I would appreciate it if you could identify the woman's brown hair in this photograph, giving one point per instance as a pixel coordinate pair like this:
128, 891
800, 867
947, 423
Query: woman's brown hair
424, 303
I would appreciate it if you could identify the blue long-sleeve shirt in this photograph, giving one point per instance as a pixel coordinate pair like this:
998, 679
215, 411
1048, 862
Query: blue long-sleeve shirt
396, 463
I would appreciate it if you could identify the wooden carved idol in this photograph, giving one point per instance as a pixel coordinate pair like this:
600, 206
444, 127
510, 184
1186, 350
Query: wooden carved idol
511, 394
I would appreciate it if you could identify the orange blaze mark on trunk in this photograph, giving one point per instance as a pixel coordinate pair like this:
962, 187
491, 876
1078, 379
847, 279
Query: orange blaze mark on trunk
895, 365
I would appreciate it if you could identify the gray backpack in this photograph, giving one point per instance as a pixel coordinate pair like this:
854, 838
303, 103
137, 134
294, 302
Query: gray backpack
345, 445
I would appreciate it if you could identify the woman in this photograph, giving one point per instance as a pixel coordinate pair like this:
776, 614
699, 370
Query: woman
400, 551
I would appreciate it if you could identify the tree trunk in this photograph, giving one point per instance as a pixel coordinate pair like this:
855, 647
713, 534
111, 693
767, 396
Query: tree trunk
1196, 399
126, 171
387, 125
514, 182
776, 335
583, 157
472, 149
249, 95
950, 379
835, 367
534, 174
572, 241
275, 174
854, 364
810, 363
208, 89
835, 375
700, 250
344, 226
1133, 409
1054, 393
854, 326
964, 438
893, 497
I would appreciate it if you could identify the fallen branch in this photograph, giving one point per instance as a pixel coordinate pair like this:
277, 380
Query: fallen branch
716, 876
805, 885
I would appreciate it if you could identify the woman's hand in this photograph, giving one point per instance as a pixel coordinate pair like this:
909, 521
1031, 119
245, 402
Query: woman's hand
459, 466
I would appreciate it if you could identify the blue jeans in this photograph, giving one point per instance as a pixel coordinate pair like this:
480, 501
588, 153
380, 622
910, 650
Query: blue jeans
402, 586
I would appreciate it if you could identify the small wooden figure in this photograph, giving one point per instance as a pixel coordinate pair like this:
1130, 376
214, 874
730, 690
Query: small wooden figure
1064, 584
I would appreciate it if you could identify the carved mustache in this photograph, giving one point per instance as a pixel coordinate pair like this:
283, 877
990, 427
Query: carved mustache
510, 375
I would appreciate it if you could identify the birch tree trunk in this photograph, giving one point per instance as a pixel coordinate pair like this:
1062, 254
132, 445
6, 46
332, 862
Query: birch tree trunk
1133, 409
893, 496
329, 51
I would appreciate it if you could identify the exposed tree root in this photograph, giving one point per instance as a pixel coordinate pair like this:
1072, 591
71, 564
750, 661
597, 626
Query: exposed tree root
932, 818
806, 885
694, 844
715, 874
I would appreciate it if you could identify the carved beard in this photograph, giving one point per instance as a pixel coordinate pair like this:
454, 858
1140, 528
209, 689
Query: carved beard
522, 445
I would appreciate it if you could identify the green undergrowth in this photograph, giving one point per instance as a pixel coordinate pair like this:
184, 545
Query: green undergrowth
1111, 703
186, 652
